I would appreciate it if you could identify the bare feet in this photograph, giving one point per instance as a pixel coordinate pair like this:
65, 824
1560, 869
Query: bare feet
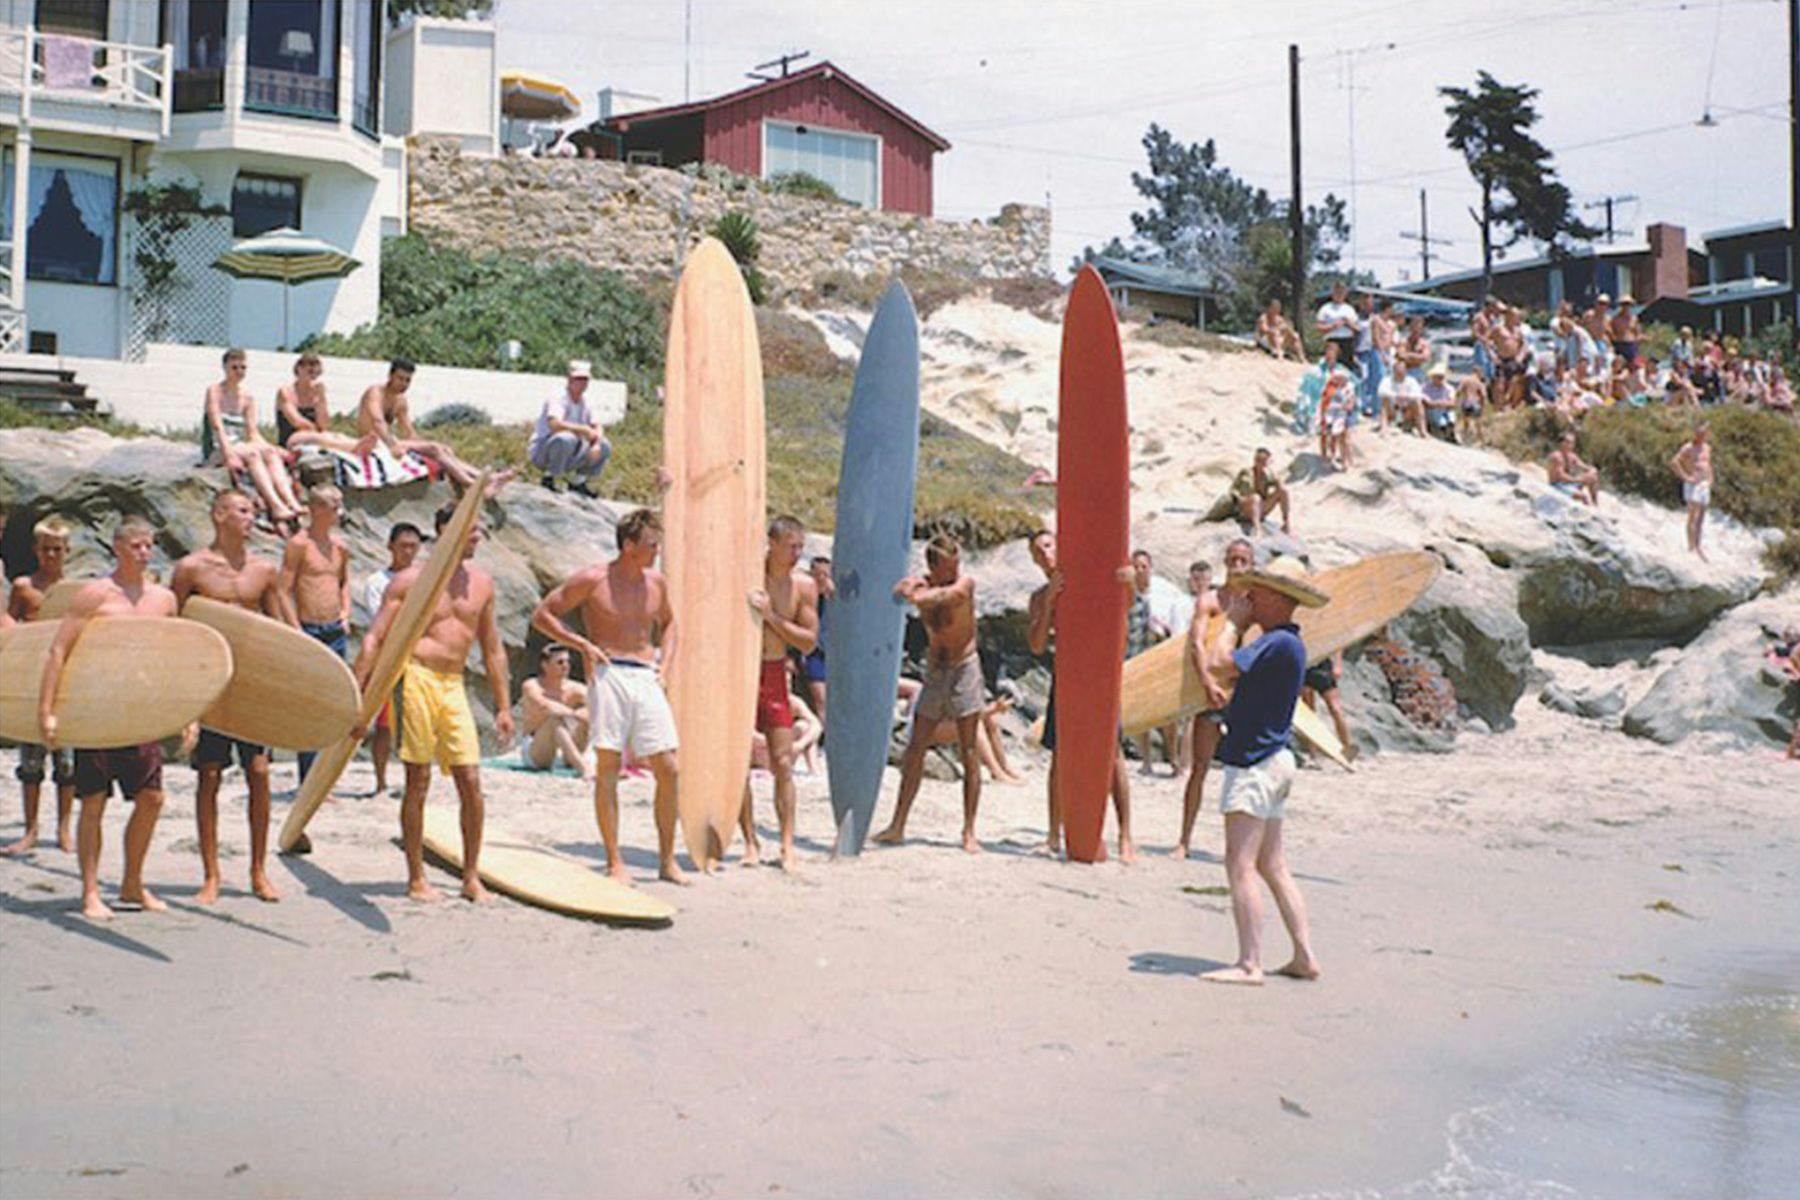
496, 481
23, 845
208, 893
474, 892
890, 836
969, 843
1050, 849
262, 889
617, 871
94, 909
669, 872
422, 891
1127, 850
144, 898
787, 859
1300, 968
1238, 974
65, 838
1180, 853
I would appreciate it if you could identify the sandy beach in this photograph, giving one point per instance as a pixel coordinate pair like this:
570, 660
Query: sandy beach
921, 1022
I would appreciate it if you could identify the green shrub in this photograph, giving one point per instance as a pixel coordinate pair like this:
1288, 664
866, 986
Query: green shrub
799, 183
456, 413
741, 238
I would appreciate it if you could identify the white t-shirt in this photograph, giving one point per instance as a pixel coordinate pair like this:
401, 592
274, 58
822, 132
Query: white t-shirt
561, 408
365, 602
1331, 312
1169, 605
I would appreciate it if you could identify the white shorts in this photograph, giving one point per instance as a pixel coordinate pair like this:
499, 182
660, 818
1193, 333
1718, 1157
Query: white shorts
1260, 791
1697, 493
630, 712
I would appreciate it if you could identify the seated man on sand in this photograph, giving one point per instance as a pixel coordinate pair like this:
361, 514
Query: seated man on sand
384, 414
553, 716
1257, 492
1571, 476
1276, 334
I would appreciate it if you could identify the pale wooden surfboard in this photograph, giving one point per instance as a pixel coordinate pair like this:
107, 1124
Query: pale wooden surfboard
1162, 684
541, 877
390, 661
62, 593
286, 689
128, 680
1316, 733
713, 539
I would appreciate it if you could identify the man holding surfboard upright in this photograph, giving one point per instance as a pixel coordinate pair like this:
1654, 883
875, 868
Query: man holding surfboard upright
226, 571
787, 604
623, 604
1259, 766
436, 724
137, 770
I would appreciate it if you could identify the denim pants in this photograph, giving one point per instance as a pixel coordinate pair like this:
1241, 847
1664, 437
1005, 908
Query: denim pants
334, 635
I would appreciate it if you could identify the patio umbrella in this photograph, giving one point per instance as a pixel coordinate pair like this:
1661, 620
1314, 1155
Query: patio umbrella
288, 257
528, 97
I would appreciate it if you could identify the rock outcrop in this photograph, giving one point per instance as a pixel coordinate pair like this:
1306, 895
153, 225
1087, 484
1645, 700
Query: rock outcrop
1721, 682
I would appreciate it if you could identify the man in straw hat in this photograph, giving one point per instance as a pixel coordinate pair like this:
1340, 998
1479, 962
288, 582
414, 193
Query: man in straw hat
1259, 766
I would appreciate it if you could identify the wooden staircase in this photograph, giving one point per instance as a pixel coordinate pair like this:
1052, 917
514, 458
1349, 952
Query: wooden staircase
48, 391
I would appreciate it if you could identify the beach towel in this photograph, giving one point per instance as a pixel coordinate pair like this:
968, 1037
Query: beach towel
68, 61
368, 472
512, 762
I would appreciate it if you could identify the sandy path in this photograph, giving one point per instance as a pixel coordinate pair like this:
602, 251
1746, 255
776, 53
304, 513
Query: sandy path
921, 1022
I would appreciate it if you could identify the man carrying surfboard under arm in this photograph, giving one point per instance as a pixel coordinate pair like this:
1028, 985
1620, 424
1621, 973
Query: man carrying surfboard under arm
788, 606
226, 571
623, 604
1259, 766
1039, 637
954, 689
436, 724
136, 770
50, 546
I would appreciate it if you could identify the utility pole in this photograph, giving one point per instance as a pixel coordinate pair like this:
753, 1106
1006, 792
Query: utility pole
1607, 203
1297, 213
687, 50
1793, 33
1424, 238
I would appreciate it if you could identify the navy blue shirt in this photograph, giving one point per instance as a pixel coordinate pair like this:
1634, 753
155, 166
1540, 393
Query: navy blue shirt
1261, 714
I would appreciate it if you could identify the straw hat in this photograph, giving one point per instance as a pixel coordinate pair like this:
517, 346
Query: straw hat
1287, 576
1438, 370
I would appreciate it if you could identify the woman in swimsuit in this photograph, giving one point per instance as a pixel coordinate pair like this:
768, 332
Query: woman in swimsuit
231, 438
302, 417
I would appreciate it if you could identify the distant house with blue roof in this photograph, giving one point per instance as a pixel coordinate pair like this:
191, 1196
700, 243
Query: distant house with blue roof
1166, 293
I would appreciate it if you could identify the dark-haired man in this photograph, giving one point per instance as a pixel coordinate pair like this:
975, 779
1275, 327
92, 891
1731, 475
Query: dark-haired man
404, 542
812, 663
624, 606
385, 414
953, 691
436, 724
788, 605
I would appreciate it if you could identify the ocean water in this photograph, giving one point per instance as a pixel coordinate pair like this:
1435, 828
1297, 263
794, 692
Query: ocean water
1689, 1105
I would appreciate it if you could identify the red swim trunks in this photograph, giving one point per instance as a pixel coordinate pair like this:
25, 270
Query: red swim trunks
772, 708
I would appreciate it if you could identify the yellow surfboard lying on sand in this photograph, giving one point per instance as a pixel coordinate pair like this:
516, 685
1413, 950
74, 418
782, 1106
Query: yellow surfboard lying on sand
286, 689
128, 680
541, 877
1163, 685
396, 648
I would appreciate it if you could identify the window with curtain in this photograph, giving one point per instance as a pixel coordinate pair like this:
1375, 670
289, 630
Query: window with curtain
196, 30
365, 51
292, 57
260, 203
72, 221
847, 161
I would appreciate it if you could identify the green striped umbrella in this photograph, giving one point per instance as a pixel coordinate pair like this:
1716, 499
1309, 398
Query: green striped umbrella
288, 257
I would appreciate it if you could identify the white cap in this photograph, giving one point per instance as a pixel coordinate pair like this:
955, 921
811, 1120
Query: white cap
580, 368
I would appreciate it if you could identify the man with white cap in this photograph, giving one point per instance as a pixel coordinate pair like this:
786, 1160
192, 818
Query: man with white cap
1259, 766
567, 439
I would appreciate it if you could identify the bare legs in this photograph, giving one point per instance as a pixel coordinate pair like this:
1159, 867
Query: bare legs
606, 811
206, 823
1252, 849
1205, 741
144, 811
912, 768
781, 766
1121, 797
1696, 523
65, 807
381, 745
412, 829
559, 738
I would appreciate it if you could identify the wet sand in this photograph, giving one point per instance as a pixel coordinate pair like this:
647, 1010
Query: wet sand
921, 1022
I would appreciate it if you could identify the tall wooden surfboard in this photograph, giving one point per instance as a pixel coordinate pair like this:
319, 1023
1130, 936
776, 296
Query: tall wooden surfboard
286, 689
128, 680
1093, 514
1162, 684
396, 648
869, 554
713, 540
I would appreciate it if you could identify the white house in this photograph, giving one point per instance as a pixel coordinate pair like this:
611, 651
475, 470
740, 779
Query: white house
273, 107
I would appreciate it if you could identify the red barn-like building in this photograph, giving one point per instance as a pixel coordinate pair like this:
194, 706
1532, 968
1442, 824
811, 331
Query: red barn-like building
818, 121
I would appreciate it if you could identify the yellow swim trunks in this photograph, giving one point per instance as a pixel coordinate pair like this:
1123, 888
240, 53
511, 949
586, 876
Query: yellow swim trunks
435, 722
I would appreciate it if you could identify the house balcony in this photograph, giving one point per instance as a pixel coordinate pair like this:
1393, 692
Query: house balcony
76, 85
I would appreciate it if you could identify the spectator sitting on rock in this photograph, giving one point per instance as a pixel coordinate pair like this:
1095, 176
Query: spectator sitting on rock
1409, 400
1570, 475
1276, 335
1784, 658
567, 439
1257, 491
1470, 395
1440, 402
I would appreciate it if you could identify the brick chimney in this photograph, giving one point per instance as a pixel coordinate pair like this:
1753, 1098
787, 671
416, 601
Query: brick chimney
1668, 262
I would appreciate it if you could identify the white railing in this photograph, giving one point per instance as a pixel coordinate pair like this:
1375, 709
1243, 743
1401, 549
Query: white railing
36, 65
12, 330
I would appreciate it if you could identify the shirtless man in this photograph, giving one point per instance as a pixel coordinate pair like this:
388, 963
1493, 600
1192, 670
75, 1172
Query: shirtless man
1042, 611
1240, 556
384, 414
1693, 464
50, 544
1597, 320
624, 603
1512, 356
315, 580
137, 770
1258, 492
1626, 330
226, 571
812, 663
1570, 475
553, 715
953, 691
436, 724
788, 606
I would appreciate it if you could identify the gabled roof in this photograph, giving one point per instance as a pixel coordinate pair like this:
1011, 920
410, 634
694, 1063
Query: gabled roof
1160, 278
824, 69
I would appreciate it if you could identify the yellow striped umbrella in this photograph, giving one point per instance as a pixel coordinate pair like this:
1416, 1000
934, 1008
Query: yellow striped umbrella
287, 257
528, 97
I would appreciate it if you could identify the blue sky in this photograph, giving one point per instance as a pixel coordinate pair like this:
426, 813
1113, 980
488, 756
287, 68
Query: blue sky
1048, 98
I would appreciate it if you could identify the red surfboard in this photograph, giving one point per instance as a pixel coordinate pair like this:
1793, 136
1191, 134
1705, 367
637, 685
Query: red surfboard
1093, 516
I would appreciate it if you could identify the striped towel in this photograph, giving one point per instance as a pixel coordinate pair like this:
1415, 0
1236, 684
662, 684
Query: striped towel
372, 471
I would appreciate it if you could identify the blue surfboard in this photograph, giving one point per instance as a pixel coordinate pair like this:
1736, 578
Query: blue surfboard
869, 555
